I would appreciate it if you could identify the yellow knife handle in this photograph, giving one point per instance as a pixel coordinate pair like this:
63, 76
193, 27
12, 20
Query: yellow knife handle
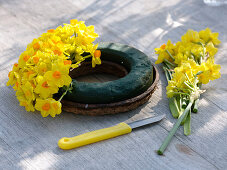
94, 136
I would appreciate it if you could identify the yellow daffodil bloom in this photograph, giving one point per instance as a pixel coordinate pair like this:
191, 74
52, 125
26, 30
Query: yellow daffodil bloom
207, 36
96, 58
44, 67
210, 49
210, 71
190, 36
59, 75
48, 107
44, 89
28, 104
162, 53
28, 91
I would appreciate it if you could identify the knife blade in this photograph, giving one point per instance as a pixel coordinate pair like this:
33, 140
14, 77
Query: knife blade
106, 133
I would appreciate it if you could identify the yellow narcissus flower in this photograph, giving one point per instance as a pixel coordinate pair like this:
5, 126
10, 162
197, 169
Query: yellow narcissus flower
176, 82
190, 36
17, 85
192, 66
96, 58
162, 54
24, 57
87, 33
56, 107
179, 58
197, 50
48, 106
185, 73
28, 91
58, 76
12, 75
28, 75
28, 104
210, 49
188, 66
44, 89
207, 36
210, 71
44, 67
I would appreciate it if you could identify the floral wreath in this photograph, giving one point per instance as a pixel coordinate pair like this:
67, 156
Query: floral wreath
44, 67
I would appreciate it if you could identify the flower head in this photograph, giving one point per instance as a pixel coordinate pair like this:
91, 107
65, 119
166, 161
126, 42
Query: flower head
44, 67
48, 106
162, 52
207, 36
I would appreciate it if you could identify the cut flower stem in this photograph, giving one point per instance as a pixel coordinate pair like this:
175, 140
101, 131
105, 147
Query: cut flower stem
174, 129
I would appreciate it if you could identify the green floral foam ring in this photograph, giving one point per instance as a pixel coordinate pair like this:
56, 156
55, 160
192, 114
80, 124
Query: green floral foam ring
137, 81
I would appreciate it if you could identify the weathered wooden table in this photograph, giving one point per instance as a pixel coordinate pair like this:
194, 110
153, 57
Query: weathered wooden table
29, 141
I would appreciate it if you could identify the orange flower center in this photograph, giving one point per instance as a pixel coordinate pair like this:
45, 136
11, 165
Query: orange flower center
24, 104
36, 46
57, 52
15, 64
17, 84
45, 85
36, 60
30, 72
163, 46
28, 93
33, 85
66, 62
55, 106
26, 57
46, 106
51, 31
97, 53
44, 69
57, 74
56, 42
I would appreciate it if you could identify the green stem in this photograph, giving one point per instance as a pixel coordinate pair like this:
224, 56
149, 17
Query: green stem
166, 73
188, 78
181, 93
187, 124
203, 49
88, 56
188, 86
195, 106
173, 105
167, 65
170, 63
170, 55
184, 104
68, 87
173, 130
170, 74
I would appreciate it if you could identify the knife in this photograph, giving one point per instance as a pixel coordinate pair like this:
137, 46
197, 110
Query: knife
107, 133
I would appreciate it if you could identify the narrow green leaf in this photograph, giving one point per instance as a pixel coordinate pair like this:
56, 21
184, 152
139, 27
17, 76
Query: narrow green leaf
174, 107
195, 106
187, 124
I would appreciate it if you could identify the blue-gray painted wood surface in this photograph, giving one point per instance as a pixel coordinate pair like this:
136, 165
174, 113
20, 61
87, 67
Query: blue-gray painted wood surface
28, 141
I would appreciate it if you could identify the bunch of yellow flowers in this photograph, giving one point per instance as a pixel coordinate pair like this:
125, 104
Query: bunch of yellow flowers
44, 67
188, 64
